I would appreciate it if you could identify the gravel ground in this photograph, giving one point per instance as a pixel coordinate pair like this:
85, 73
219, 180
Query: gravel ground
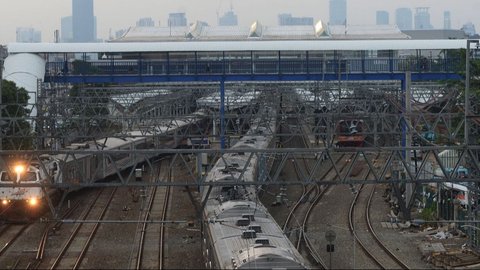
332, 214
112, 245
402, 243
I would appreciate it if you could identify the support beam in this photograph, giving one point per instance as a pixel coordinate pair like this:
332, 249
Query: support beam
222, 114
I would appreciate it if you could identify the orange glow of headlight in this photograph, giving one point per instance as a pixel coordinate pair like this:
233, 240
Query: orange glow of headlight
4, 202
19, 169
33, 202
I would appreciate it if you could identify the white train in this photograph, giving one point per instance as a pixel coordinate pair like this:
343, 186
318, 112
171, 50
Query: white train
240, 233
90, 161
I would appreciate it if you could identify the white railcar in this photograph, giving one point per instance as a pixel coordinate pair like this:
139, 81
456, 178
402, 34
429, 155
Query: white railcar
241, 234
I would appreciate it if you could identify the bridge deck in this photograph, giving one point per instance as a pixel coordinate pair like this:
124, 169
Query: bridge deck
220, 67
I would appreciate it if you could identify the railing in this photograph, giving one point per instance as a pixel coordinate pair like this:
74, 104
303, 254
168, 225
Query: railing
255, 66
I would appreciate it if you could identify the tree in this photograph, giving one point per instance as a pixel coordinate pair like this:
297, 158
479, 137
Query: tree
16, 130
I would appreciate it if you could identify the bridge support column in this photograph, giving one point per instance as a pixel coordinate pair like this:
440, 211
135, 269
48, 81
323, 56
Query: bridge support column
222, 114
407, 126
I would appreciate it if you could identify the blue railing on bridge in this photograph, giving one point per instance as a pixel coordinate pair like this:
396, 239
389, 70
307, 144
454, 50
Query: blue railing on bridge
61, 71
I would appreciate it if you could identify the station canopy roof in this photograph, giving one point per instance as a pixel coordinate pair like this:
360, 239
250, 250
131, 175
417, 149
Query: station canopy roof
200, 31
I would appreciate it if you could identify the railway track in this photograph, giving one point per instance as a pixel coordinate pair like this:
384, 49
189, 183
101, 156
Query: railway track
370, 243
150, 245
41, 247
9, 234
297, 220
75, 247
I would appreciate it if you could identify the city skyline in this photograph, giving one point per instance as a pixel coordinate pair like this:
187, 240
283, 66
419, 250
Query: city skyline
41, 16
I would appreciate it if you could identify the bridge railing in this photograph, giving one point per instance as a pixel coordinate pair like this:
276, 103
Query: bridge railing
254, 66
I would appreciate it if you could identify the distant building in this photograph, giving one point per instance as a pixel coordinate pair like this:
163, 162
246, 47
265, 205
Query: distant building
228, 19
469, 29
447, 21
382, 17
145, 22
177, 19
66, 30
403, 18
28, 35
202, 23
422, 19
83, 21
287, 19
120, 33
338, 12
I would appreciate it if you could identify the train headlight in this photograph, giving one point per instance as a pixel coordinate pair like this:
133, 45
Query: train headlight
33, 201
19, 169
4, 202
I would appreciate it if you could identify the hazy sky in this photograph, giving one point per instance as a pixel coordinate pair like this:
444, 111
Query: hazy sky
45, 15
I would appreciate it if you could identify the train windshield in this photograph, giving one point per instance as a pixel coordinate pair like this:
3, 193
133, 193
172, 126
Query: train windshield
5, 177
28, 177
25, 177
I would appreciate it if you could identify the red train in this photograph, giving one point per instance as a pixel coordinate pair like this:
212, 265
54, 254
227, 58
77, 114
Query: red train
350, 133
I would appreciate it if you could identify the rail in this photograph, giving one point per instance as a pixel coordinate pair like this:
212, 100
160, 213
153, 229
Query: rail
367, 248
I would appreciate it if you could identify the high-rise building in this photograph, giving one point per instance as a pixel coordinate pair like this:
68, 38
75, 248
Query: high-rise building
287, 19
228, 19
66, 30
145, 22
28, 35
447, 22
403, 18
469, 29
338, 12
422, 19
382, 17
177, 19
83, 21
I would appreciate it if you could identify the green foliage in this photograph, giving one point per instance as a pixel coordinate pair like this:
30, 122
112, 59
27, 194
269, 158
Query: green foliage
429, 213
16, 130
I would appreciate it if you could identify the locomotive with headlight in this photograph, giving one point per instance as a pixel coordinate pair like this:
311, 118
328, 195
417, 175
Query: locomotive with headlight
88, 162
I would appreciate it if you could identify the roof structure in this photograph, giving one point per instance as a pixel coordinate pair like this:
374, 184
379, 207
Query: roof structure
436, 34
199, 31
366, 32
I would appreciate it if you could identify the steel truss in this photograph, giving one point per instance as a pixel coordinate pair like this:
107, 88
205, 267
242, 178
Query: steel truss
395, 117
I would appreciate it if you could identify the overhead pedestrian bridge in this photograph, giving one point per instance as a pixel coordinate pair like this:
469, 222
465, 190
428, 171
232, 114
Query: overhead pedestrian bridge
252, 60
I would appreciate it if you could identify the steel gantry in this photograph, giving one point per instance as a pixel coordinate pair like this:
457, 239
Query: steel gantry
397, 107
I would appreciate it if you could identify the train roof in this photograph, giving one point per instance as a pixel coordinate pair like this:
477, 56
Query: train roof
234, 248
243, 232
233, 99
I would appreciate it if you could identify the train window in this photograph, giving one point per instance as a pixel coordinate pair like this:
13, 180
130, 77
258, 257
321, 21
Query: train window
29, 177
5, 177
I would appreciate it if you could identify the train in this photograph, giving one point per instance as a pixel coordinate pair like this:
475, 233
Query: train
239, 232
89, 161
350, 133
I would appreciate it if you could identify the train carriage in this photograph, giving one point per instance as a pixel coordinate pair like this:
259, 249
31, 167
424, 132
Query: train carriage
240, 233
